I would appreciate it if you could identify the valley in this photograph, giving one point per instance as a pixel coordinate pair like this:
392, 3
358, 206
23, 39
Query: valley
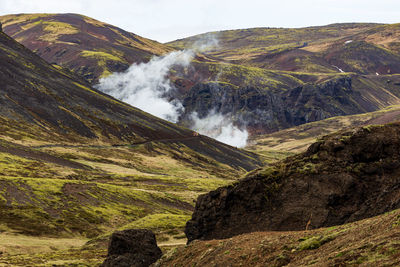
77, 164
305, 172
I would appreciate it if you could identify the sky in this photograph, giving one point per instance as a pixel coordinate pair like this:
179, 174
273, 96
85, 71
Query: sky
167, 20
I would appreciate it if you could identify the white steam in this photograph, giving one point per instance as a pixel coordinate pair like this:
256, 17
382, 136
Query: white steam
146, 85
207, 42
219, 127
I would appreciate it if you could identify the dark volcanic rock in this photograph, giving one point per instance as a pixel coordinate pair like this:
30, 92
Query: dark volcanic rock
262, 110
343, 178
132, 248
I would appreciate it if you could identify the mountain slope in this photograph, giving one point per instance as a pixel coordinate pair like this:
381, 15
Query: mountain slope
266, 101
74, 161
357, 47
90, 48
257, 92
276, 48
344, 177
42, 95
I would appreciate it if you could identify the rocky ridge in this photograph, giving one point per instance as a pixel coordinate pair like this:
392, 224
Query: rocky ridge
344, 177
264, 110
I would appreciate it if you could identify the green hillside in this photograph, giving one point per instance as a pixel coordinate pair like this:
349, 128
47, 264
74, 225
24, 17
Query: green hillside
90, 48
77, 164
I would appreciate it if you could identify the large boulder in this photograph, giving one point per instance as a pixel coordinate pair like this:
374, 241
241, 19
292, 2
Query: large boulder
345, 177
132, 248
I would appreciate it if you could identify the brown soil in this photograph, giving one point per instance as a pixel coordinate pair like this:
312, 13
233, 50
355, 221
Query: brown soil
385, 118
370, 242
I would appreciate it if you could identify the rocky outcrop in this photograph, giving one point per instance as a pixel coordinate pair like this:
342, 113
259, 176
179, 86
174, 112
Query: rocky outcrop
264, 110
132, 248
345, 177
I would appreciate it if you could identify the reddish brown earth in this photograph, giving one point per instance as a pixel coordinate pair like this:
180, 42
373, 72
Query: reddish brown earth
370, 242
63, 39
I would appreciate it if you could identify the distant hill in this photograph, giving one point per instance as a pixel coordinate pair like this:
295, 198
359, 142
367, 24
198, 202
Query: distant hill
297, 76
299, 138
90, 48
365, 48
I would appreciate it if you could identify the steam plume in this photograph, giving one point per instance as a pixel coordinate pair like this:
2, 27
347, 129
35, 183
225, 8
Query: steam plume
219, 127
146, 86
206, 43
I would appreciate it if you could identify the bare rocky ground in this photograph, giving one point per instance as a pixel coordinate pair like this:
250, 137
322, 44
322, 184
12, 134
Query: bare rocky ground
370, 242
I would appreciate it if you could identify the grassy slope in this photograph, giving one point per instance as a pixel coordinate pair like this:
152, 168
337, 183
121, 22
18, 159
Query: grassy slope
91, 48
356, 47
240, 41
256, 46
297, 139
148, 186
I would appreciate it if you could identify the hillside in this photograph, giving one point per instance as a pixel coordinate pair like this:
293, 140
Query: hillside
298, 139
370, 242
88, 47
296, 76
352, 47
260, 79
344, 177
266, 101
76, 163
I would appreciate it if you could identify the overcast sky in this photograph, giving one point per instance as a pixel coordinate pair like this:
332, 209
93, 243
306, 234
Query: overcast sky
166, 20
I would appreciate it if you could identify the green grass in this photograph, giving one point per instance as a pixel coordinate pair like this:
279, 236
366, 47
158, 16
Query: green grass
238, 75
314, 242
121, 185
100, 55
59, 27
159, 222
53, 206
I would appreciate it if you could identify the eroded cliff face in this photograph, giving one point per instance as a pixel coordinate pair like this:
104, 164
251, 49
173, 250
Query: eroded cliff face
345, 177
263, 110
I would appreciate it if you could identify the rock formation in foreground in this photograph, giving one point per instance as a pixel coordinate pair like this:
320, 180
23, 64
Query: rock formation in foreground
133, 247
345, 177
